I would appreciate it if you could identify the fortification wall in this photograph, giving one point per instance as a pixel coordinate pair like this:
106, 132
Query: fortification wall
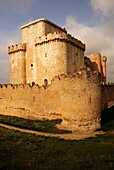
107, 95
76, 98
81, 102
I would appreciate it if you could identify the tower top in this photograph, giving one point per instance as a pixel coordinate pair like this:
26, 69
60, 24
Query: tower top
104, 58
43, 20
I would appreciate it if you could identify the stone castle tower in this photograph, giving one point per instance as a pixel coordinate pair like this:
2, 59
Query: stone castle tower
49, 55
97, 63
46, 51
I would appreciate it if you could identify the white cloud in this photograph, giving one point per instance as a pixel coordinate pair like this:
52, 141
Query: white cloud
97, 39
103, 7
6, 40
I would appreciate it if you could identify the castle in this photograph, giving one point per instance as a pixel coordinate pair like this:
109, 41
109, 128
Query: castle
47, 51
49, 76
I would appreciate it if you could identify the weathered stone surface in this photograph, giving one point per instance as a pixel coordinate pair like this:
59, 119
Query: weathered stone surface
76, 99
46, 51
45, 82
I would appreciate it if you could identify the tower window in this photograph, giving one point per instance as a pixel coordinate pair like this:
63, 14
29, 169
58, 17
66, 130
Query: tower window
33, 99
45, 82
45, 54
31, 65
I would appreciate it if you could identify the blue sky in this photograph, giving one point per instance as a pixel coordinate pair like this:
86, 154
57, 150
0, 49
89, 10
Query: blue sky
16, 12
91, 21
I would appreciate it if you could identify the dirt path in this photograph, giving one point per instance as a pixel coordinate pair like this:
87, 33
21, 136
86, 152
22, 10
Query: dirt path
71, 136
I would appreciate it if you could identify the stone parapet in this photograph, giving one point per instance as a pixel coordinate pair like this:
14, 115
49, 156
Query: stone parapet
59, 37
77, 98
93, 77
104, 59
45, 21
16, 48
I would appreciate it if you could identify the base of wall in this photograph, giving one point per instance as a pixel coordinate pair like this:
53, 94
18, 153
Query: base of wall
27, 114
78, 126
74, 126
76, 99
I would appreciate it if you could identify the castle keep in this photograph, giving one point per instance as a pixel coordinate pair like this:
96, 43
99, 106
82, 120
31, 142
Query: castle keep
50, 76
46, 51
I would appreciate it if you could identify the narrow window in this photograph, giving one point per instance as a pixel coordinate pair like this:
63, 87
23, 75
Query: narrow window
31, 65
33, 99
33, 83
45, 54
45, 82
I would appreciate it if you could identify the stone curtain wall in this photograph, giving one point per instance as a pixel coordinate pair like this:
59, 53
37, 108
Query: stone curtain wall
76, 98
81, 102
107, 95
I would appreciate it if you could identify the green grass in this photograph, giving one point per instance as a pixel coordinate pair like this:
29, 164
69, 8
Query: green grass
21, 151
37, 125
107, 123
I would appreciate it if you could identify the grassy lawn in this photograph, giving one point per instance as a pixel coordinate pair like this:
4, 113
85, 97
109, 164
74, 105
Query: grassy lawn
21, 151
37, 125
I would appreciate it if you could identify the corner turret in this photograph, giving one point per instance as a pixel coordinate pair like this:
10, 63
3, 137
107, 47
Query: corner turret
103, 62
17, 63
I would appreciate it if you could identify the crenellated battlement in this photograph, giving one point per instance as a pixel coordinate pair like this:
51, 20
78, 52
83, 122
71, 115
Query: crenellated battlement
104, 58
66, 96
48, 75
94, 77
107, 84
59, 37
98, 56
20, 86
16, 48
98, 63
83, 74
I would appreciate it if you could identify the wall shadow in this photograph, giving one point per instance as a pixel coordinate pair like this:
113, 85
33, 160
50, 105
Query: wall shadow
107, 116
